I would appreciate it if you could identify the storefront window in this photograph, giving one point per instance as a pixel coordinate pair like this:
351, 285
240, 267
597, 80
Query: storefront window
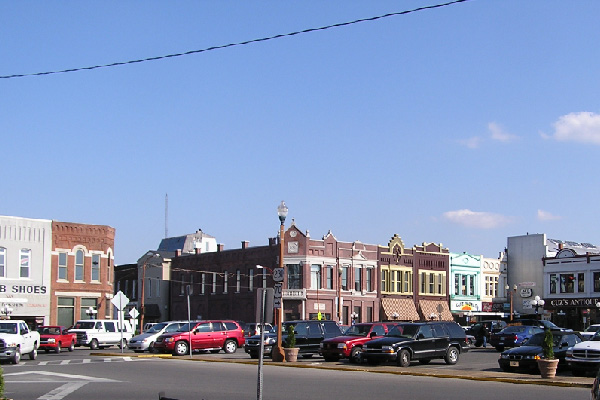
567, 283
596, 281
553, 280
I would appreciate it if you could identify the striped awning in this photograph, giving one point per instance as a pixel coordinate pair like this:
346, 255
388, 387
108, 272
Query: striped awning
395, 309
430, 307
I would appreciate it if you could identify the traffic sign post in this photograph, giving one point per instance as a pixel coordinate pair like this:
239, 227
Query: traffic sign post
120, 301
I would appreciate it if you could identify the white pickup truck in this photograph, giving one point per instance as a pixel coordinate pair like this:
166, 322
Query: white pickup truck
15, 339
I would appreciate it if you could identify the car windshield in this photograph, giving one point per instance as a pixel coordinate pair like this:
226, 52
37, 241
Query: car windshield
358, 330
404, 331
186, 327
156, 327
85, 325
593, 328
8, 327
48, 330
536, 340
548, 324
514, 329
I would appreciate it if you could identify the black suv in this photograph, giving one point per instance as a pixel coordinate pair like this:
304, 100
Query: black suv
309, 335
421, 341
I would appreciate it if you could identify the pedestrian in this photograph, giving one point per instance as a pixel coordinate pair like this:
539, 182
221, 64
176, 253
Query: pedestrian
484, 333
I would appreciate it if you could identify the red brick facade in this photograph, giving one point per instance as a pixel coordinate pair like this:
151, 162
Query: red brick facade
82, 271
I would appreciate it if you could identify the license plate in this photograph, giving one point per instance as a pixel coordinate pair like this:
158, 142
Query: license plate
514, 363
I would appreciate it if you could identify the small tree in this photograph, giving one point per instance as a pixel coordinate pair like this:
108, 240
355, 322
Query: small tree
290, 340
548, 345
2, 383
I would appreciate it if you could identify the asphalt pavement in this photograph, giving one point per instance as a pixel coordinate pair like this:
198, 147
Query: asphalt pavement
440, 370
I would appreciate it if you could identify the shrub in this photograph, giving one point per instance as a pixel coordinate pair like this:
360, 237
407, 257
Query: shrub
548, 345
290, 340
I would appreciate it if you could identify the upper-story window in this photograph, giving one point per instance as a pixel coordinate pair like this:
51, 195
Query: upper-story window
491, 285
344, 278
214, 282
315, 276
79, 265
464, 285
2, 262
329, 277
369, 281
433, 283
62, 266
294, 276
358, 278
95, 267
25, 262
251, 280
225, 281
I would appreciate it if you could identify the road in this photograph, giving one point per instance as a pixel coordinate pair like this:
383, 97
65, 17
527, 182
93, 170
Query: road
78, 375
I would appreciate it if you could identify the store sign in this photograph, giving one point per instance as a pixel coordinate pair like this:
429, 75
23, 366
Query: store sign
526, 292
23, 289
587, 302
465, 305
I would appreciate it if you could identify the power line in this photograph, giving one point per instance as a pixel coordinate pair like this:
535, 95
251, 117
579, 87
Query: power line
279, 36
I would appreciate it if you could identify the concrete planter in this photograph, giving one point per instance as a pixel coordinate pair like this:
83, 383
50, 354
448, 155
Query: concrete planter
548, 368
291, 353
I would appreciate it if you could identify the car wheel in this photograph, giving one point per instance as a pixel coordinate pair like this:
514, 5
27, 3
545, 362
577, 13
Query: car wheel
452, 356
181, 348
72, 346
94, 344
403, 358
57, 349
16, 357
356, 355
33, 354
424, 361
151, 348
230, 346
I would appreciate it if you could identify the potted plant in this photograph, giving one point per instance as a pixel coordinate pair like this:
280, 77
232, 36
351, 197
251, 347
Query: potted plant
548, 363
290, 349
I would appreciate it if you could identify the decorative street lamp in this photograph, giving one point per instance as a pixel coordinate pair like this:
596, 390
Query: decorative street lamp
395, 315
354, 316
432, 316
537, 303
282, 212
91, 312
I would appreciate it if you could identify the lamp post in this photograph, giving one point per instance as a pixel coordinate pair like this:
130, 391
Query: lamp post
91, 312
432, 316
395, 315
142, 297
354, 316
537, 303
282, 212
507, 288
6, 310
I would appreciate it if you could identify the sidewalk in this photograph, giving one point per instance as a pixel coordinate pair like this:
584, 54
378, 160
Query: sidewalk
430, 370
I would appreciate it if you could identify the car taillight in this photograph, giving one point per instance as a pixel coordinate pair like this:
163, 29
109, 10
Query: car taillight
515, 338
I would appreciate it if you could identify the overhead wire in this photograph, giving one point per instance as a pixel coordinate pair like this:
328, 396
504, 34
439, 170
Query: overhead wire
247, 42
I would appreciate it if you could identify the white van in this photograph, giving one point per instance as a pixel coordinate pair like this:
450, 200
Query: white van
100, 333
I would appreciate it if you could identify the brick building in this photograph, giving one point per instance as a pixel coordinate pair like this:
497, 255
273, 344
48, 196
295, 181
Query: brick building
82, 272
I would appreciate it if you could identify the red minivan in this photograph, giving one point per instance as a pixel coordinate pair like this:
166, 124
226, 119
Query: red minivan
213, 336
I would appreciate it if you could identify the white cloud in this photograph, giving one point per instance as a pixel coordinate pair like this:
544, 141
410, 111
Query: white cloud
477, 219
471, 143
546, 216
499, 134
583, 127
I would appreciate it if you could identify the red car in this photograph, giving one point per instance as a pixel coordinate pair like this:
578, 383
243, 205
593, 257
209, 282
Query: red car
56, 337
350, 344
213, 336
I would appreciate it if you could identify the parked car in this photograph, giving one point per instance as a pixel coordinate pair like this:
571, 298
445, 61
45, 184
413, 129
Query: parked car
584, 357
145, 341
253, 328
421, 341
53, 337
213, 336
492, 326
350, 344
309, 335
513, 336
526, 356
100, 333
590, 331
541, 323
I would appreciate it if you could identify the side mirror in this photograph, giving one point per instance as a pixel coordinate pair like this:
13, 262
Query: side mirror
420, 336
372, 334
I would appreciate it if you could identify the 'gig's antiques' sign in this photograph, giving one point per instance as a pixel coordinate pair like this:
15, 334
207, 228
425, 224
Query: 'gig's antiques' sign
574, 302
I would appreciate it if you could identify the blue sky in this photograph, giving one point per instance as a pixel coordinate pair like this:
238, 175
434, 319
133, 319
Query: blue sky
460, 125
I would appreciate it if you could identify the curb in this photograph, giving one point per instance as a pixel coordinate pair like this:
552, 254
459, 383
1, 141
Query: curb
432, 374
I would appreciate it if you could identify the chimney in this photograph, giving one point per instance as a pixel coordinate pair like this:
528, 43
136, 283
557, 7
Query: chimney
177, 252
272, 242
220, 247
560, 246
197, 250
245, 244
